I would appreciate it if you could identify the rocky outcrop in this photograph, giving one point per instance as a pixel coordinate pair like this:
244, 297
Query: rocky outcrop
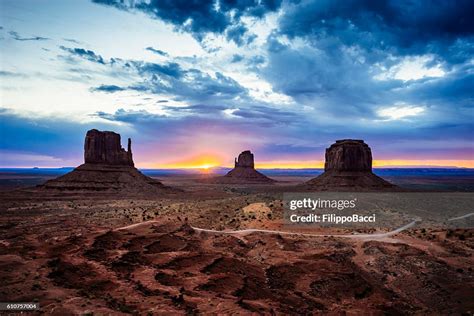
244, 171
348, 166
107, 168
245, 160
105, 148
348, 155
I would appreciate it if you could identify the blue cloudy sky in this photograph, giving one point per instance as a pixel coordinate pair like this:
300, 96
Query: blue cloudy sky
195, 82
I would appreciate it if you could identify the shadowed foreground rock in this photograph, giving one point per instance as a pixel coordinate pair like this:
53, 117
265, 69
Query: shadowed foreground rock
107, 168
348, 166
164, 268
244, 171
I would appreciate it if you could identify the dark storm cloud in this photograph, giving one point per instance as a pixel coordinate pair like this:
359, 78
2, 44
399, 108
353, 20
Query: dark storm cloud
84, 53
328, 78
236, 33
343, 45
253, 8
157, 51
404, 26
18, 37
202, 17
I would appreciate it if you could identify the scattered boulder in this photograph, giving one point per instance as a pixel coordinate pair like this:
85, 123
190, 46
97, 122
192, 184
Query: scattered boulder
107, 168
348, 166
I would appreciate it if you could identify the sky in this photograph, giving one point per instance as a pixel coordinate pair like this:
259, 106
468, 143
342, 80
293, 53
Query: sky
194, 83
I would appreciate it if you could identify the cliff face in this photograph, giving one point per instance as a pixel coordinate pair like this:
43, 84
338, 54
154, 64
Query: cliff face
348, 155
105, 148
245, 160
348, 167
107, 168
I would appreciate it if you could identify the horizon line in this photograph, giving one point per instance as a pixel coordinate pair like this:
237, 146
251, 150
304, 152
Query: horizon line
256, 167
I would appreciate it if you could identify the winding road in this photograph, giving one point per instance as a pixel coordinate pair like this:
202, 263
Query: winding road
280, 232
361, 236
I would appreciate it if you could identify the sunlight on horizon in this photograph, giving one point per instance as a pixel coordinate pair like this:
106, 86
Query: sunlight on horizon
203, 162
314, 164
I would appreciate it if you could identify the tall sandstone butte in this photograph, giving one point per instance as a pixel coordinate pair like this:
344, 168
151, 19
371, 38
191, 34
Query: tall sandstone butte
106, 148
348, 155
244, 171
245, 160
107, 168
348, 166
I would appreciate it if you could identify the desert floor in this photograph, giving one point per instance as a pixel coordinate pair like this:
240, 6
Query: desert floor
102, 254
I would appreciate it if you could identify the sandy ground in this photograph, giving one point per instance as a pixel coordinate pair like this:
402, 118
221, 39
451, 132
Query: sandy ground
91, 254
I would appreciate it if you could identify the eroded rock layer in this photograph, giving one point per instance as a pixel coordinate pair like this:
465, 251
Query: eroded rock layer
107, 168
244, 171
245, 160
348, 166
348, 155
105, 148
105, 178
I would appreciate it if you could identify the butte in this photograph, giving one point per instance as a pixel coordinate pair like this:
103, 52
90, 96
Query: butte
348, 167
107, 168
244, 172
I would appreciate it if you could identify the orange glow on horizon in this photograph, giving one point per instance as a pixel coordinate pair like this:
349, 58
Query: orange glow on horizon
204, 162
290, 164
376, 164
432, 163
207, 162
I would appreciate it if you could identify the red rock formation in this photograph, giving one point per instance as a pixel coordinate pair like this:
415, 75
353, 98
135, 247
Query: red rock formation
107, 168
245, 160
106, 148
348, 155
244, 171
348, 166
